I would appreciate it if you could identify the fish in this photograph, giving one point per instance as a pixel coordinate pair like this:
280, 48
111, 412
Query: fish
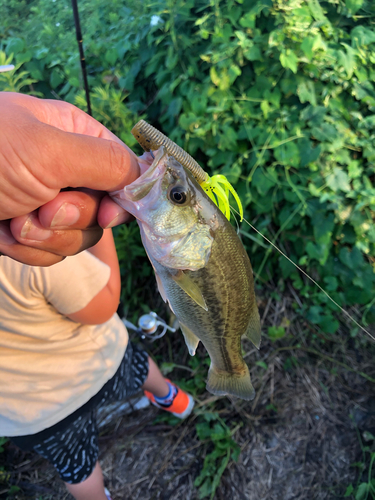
202, 269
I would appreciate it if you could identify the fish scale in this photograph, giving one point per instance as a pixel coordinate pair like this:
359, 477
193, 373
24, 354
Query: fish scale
212, 291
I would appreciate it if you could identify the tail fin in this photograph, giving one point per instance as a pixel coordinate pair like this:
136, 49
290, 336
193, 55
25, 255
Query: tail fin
224, 383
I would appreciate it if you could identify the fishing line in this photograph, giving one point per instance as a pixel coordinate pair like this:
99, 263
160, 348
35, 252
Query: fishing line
307, 276
235, 218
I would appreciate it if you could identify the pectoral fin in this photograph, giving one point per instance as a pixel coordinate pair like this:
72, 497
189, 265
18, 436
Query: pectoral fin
189, 287
253, 330
191, 339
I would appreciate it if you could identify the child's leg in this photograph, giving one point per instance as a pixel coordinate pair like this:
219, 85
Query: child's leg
155, 382
165, 394
73, 451
91, 488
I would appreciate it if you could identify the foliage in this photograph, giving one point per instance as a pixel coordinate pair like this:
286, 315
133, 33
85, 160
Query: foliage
365, 489
107, 107
277, 95
213, 429
14, 81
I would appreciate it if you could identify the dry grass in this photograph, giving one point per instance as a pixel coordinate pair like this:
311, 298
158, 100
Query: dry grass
298, 438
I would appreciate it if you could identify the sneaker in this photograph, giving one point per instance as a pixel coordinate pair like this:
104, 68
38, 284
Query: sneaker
181, 406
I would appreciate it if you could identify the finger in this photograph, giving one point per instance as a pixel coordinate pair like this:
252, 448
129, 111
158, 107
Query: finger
31, 256
71, 210
28, 231
50, 155
110, 214
64, 116
91, 162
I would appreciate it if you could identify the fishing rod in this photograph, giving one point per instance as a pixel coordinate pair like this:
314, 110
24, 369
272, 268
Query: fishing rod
148, 324
81, 54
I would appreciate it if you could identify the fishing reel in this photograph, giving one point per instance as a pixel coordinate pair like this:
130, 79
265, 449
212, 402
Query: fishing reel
150, 327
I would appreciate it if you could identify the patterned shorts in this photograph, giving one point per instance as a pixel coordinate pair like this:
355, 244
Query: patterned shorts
72, 444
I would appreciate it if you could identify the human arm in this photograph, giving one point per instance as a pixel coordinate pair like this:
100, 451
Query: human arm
46, 146
102, 307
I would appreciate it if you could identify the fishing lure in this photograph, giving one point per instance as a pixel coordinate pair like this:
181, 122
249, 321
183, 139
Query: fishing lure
217, 187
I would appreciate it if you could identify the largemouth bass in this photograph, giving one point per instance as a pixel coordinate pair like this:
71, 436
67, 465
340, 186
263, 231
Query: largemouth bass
201, 267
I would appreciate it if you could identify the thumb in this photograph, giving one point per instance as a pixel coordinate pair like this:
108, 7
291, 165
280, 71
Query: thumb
77, 160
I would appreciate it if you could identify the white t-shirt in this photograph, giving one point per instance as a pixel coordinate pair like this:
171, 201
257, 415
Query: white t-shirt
50, 365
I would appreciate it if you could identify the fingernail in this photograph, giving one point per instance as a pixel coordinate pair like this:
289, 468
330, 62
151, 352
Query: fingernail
66, 215
5, 237
31, 231
116, 221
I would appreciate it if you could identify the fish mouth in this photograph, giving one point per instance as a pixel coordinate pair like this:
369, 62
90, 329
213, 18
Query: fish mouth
141, 187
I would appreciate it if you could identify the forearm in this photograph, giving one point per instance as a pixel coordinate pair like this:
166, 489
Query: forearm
105, 251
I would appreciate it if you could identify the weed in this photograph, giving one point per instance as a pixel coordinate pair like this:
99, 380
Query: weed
213, 430
364, 489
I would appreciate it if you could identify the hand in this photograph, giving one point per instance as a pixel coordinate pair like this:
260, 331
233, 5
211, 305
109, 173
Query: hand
46, 146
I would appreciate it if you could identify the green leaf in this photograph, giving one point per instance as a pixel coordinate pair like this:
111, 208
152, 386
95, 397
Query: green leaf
313, 115
289, 60
276, 332
353, 5
253, 53
307, 47
338, 180
56, 78
361, 35
351, 258
347, 60
367, 436
202, 20
234, 71
111, 56
248, 20
287, 268
74, 82
219, 473
23, 57
307, 152
349, 491
262, 183
332, 283
316, 10
306, 92
314, 314
318, 252
288, 154
325, 132
323, 227
362, 491
328, 324
15, 45
265, 107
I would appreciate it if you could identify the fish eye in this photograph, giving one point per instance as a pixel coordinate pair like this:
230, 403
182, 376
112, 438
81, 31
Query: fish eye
178, 195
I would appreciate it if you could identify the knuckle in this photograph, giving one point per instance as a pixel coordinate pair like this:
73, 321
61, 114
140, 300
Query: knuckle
121, 164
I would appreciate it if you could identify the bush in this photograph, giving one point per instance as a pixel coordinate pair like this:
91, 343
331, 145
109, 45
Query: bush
277, 95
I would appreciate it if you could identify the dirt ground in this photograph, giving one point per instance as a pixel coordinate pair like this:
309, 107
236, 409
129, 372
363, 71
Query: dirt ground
299, 438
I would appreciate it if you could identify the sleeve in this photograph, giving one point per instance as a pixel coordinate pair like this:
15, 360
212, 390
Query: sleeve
71, 284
